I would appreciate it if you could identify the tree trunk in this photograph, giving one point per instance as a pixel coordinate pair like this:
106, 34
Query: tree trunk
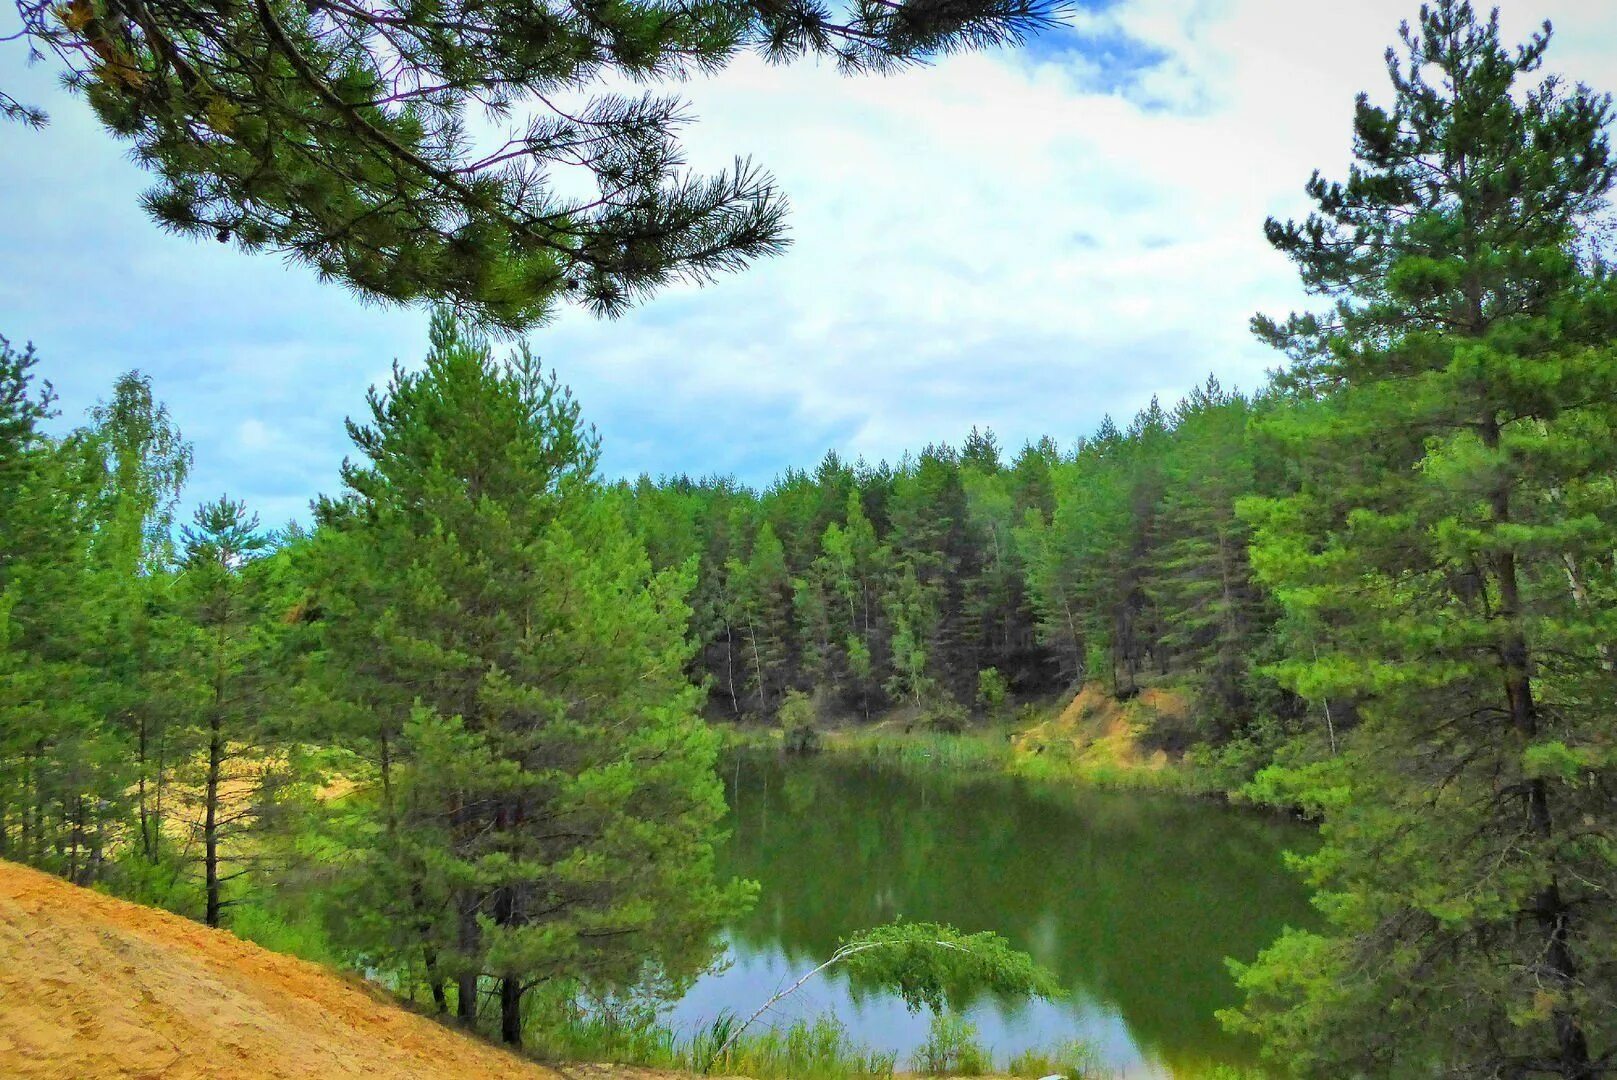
160, 790
466, 982
75, 841
440, 997
33, 813
147, 848
216, 756
1550, 910
730, 667
210, 818
1580, 596
1078, 658
385, 759
757, 665
511, 1011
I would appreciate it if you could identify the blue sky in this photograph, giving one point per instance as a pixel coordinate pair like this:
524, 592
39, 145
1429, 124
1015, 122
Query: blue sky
1023, 240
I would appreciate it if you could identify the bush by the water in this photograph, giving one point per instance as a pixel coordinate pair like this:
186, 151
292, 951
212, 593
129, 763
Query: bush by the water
951, 1048
797, 716
1076, 1060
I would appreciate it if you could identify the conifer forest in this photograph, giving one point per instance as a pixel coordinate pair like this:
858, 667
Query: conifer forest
1265, 732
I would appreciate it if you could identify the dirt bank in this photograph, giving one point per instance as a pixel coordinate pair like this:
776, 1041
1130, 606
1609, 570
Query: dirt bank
1095, 728
93, 987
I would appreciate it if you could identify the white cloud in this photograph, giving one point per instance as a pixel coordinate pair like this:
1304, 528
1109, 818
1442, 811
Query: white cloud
1002, 242
1016, 240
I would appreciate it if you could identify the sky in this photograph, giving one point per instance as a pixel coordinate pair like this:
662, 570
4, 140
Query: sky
1025, 240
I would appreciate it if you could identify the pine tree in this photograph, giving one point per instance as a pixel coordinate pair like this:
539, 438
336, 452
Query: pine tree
225, 659
1052, 573
761, 592
23, 406
1080, 562
817, 652
997, 602
24, 454
713, 601
855, 566
1139, 626
1455, 463
1200, 579
933, 536
64, 780
339, 133
1030, 478
912, 611
146, 465
553, 800
980, 451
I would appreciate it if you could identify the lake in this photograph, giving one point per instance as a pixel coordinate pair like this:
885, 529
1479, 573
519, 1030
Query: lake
1133, 900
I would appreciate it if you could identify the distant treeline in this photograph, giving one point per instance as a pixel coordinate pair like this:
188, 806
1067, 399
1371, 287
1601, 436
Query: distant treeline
935, 581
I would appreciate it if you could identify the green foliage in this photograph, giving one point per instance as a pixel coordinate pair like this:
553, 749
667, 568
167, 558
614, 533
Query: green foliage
796, 717
159, 700
814, 1049
1387, 578
762, 593
80, 655
344, 135
514, 669
883, 587
935, 966
225, 689
275, 928
137, 641
1443, 559
943, 716
1071, 1060
560, 1030
818, 1048
992, 692
796, 710
927, 964
950, 1049
926, 751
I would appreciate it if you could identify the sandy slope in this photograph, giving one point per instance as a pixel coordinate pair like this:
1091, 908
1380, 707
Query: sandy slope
93, 987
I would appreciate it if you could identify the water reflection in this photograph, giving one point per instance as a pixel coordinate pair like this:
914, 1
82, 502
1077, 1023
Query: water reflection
1133, 900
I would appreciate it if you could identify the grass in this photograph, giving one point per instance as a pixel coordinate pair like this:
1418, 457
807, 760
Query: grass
951, 1049
927, 751
1178, 779
599, 1036
813, 1050
992, 751
282, 931
818, 1049
985, 753
1074, 1061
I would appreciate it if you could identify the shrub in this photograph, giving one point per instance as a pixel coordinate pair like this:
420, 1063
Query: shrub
951, 1048
945, 716
992, 692
797, 720
1075, 1060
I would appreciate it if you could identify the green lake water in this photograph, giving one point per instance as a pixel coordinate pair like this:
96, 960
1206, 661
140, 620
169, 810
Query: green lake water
1133, 900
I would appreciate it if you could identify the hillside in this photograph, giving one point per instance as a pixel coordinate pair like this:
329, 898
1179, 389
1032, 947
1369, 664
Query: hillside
94, 987
1094, 728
